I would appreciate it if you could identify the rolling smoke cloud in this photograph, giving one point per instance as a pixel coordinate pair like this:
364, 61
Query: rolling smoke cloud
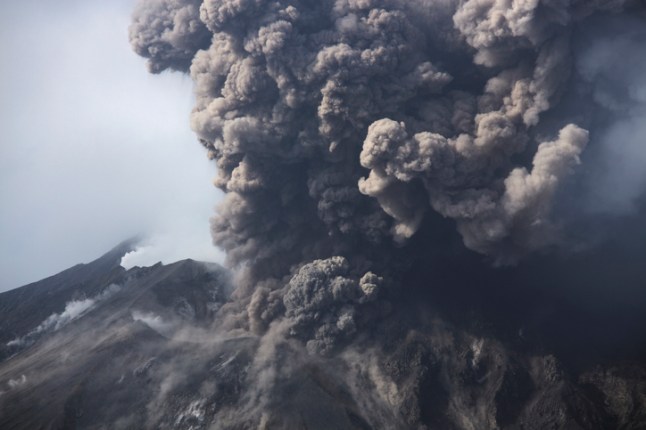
338, 126
300, 102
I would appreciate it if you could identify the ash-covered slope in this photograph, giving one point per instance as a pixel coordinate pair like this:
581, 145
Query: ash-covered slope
86, 348
146, 348
22, 309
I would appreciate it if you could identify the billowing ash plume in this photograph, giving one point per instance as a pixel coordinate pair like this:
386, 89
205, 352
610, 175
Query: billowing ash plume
342, 123
341, 128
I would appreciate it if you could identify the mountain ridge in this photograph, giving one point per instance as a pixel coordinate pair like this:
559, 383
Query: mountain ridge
141, 348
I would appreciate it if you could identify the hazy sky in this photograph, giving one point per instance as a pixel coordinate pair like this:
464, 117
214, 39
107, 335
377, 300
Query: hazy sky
93, 149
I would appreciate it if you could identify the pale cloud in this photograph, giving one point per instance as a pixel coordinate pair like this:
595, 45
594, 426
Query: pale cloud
94, 149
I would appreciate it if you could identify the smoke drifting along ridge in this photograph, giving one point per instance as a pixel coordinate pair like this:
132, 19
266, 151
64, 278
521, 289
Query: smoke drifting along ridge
73, 310
339, 127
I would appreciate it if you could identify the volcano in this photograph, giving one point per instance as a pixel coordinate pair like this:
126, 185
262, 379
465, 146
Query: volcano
98, 346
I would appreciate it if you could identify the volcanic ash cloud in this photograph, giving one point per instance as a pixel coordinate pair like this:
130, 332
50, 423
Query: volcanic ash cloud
339, 127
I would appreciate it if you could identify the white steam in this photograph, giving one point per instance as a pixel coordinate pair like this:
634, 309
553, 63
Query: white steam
73, 311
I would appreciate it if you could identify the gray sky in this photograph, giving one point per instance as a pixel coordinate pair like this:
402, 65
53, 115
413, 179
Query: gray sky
93, 149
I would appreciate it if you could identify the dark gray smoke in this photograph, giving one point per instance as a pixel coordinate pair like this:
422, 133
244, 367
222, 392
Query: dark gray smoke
440, 101
168, 33
349, 133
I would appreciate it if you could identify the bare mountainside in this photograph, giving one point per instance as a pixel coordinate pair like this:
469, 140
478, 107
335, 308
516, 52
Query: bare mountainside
101, 347
81, 349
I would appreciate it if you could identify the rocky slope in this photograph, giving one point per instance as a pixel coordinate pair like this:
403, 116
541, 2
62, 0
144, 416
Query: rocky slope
99, 347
